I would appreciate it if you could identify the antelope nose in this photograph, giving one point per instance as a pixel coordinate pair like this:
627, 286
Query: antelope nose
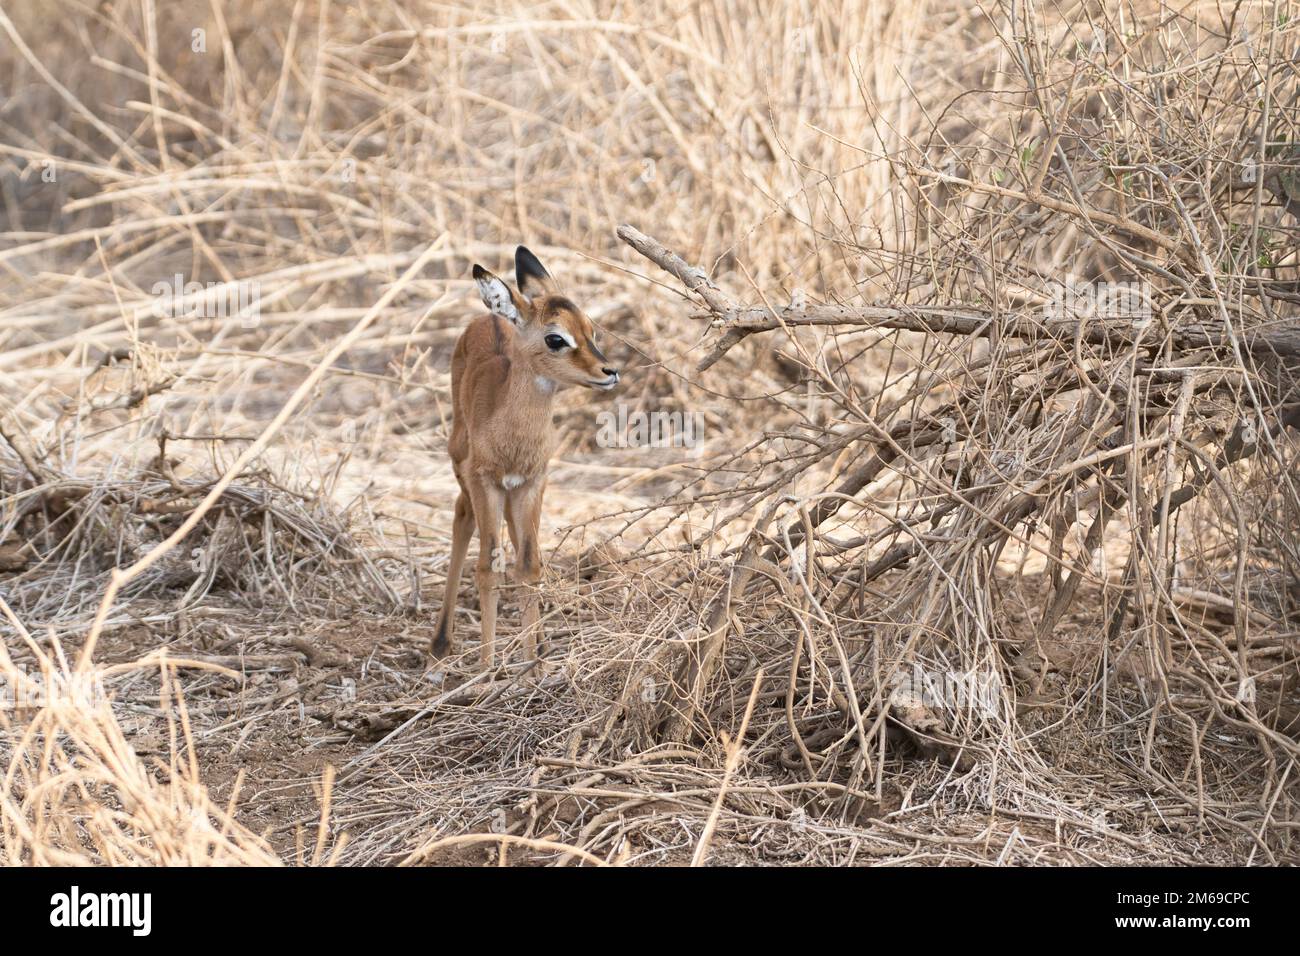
610, 371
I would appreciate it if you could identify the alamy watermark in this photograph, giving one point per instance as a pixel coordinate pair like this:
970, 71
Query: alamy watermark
1074, 298
964, 692
624, 428
32, 690
75, 908
175, 298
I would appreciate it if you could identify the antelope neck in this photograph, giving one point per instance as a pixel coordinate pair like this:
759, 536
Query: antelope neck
524, 384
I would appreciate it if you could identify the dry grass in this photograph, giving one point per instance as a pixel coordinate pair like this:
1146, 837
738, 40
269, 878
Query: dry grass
222, 535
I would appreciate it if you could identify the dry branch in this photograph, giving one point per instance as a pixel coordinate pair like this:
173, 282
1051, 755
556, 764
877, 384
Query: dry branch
739, 322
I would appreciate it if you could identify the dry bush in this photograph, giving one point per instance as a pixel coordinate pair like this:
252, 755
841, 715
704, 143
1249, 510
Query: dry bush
917, 479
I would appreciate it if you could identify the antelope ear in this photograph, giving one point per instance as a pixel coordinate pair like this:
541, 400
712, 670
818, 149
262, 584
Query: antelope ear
531, 276
496, 295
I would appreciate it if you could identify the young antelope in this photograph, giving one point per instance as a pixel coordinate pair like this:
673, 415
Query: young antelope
504, 374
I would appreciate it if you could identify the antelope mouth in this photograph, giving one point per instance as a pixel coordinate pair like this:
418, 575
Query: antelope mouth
604, 384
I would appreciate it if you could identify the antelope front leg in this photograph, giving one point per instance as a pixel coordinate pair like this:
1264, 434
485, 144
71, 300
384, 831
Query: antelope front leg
488, 501
524, 511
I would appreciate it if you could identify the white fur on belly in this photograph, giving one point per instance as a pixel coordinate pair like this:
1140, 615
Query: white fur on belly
510, 482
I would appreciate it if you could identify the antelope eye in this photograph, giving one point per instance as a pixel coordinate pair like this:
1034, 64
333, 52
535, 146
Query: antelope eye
555, 342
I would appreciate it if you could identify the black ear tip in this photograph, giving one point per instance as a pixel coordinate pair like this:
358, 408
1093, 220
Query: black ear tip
528, 264
479, 272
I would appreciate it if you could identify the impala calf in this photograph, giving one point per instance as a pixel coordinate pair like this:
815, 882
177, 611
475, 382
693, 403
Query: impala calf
504, 374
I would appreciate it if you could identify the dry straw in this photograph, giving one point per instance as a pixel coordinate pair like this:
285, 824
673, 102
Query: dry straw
989, 553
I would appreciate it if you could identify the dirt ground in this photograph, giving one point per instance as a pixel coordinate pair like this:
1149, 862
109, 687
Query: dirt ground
340, 694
